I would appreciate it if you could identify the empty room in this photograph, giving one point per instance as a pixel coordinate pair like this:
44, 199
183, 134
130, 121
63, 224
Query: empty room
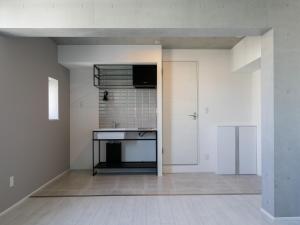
139, 112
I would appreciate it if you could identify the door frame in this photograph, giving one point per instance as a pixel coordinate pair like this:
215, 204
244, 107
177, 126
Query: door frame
197, 107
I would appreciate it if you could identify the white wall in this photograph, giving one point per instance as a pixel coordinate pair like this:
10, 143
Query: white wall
256, 114
226, 96
246, 61
85, 97
88, 55
246, 55
84, 109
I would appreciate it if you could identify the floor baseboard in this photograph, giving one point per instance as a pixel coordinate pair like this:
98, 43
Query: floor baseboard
27, 196
279, 220
267, 216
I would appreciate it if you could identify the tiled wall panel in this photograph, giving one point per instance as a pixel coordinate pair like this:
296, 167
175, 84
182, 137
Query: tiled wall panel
129, 108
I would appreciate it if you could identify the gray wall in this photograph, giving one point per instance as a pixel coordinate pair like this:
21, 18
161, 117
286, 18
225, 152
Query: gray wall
32, 148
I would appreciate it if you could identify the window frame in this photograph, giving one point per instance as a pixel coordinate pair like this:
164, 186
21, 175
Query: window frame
53, 99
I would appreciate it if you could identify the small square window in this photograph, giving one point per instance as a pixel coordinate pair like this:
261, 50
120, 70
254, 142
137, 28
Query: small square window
53, 113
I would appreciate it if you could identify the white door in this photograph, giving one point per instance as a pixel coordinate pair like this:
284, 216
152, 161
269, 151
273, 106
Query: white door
180, 85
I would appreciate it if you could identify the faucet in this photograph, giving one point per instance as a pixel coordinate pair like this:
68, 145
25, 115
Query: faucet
115, 124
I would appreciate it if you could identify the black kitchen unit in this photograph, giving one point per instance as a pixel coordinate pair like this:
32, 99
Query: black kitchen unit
125, 76
110, 135
118, 83
144, 76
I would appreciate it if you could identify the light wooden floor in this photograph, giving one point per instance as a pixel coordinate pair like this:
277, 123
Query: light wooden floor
138, 210
78, 183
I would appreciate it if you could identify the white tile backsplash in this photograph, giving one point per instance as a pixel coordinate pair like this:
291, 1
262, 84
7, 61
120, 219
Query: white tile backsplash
130, 108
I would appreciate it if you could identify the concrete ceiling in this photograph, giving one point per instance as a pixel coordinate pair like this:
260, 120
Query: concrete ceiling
185, 38
166, 42
129, 32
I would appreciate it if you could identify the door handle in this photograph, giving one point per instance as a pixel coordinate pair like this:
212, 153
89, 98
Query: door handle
194, 115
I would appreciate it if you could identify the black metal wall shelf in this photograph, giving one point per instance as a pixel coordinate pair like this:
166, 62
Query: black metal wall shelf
113, 76
129, 165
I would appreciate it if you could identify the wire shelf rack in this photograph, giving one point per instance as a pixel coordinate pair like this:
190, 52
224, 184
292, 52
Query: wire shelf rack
113, 76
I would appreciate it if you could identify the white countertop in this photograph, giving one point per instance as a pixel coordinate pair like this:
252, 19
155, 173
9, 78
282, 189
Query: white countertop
236, 124
125, 129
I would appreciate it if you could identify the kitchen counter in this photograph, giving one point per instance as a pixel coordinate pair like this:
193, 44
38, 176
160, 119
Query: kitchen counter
236, 124
124, 129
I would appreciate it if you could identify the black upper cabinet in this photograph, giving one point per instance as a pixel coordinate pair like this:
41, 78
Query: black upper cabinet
144, 76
